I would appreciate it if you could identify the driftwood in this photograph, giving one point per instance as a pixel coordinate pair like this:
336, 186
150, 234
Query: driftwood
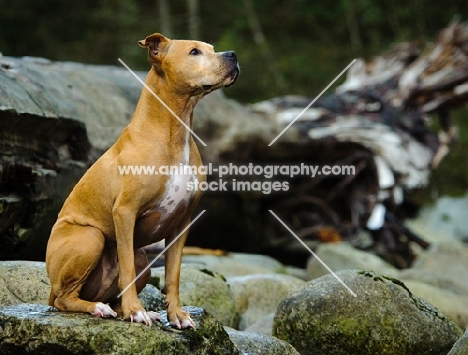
377, 120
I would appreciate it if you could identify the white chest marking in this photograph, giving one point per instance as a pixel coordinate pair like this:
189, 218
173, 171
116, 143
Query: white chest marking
177, 191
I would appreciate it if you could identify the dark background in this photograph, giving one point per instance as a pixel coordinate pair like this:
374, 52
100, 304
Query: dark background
285, 46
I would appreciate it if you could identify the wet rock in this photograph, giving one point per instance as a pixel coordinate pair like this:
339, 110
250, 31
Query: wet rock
259, 344
203, 288
38, 329
343, 256
258, 295
385, 318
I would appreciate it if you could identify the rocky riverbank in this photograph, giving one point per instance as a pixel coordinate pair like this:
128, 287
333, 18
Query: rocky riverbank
252, 304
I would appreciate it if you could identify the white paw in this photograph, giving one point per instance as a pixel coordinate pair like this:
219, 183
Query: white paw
103, 311
185, 323
144, 317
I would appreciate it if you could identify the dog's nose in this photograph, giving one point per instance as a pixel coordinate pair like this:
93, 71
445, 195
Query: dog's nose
230, 55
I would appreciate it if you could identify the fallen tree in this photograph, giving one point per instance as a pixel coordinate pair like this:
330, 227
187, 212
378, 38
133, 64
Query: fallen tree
378, 122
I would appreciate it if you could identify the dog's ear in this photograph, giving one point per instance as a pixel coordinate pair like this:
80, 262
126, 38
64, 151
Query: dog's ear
154, 43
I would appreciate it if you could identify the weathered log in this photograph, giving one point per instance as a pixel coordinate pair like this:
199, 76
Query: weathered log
381, 112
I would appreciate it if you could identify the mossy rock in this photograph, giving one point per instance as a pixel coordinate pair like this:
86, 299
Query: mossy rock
323, 317
38, 329
203, 288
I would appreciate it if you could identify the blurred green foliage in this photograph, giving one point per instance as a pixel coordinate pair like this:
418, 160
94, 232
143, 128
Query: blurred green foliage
304, 44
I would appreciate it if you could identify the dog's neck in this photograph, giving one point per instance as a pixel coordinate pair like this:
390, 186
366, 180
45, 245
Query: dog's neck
153, 118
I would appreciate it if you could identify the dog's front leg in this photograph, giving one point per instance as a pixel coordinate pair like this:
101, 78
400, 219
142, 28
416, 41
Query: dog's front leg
173, 257
124, 221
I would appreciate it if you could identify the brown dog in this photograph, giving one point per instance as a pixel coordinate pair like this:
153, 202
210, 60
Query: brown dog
95, 248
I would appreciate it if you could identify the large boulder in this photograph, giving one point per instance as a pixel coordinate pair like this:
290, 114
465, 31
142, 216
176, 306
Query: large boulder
38, 329
384, 318
258, 295
203, 288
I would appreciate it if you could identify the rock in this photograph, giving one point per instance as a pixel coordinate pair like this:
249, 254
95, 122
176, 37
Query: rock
258, 295
342, 256
23, 281
449, 303
152, 299
461, 346
259, 344
203, 288
263, 325
323, 317
443, 220
237, 264
297, 272
440, 280
38, 329
448, 260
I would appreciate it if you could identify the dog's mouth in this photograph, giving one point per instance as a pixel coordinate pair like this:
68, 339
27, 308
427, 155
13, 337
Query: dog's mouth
227, 81
232, 76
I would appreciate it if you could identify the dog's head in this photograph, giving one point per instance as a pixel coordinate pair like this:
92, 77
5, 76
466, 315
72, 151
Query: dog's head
191, 67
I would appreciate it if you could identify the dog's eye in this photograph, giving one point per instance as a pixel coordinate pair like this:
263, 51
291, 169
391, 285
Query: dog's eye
195, 52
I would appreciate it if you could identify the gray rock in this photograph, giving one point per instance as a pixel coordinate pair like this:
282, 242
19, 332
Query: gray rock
203, 288
263, 325
258, 295
23, 281
448, 302
237, 264
461, 346
38, 329
440, 280
152, 299
385, 318
448, 260
259, 344
343, 256
443, 220
297, 272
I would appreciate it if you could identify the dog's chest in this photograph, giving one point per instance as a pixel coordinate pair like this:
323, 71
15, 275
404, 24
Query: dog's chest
178, 191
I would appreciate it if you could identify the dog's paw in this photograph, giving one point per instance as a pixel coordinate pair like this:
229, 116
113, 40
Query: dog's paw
103, 311
182, 321
144, 317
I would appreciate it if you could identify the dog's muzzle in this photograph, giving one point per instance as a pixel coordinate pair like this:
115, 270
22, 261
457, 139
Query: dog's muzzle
231, 57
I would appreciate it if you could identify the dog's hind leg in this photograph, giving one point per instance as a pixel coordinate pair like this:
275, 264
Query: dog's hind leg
73, 253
